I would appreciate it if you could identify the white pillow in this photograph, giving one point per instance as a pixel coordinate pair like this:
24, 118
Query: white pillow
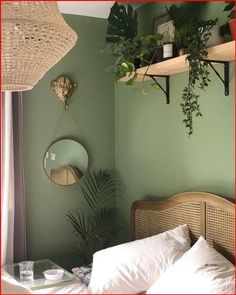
10, 286
133, 267
201, 270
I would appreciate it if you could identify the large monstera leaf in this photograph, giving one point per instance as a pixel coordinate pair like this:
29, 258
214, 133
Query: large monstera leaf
122, 23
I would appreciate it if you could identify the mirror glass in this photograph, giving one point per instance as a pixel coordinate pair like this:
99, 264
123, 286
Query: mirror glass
66, 162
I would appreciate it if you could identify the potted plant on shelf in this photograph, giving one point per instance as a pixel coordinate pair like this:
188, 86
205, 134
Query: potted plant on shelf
192, 36
184, 17
130, 50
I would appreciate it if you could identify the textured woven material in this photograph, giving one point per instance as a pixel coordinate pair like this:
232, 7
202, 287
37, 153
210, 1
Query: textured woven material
149, 223
205, 214
34, 38
220, 231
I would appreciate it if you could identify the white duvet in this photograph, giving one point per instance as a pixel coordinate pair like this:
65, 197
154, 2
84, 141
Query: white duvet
69, 289
10, 286
200, 270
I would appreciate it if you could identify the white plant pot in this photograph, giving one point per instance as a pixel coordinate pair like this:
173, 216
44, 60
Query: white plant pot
215, 38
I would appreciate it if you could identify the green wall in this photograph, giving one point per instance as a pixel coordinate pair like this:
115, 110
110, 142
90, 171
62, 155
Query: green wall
148, 12
140, 136
153, 153
89, 119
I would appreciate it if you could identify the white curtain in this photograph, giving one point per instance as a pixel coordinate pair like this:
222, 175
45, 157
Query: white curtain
7, 199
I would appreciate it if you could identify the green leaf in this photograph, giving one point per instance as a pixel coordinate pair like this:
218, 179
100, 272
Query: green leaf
229, 6
144, 91
130, 82
96, 228
79, 224
97, 187
155, 85
122, 23
128, 67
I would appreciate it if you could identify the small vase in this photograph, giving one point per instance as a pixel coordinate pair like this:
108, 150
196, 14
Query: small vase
169, 51
232, 27
215, 38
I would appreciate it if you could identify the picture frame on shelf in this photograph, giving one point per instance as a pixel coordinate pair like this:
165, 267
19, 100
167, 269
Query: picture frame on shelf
163, 25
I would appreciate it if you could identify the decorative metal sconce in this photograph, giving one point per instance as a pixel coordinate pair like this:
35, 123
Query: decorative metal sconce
63, 87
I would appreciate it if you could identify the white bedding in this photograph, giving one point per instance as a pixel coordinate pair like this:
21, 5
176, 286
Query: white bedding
200, 269
10, 286
68, 289
131, 268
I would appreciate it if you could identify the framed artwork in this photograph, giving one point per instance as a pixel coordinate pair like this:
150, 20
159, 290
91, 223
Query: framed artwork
163, 25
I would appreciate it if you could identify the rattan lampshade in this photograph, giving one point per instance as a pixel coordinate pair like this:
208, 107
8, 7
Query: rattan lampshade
34, 38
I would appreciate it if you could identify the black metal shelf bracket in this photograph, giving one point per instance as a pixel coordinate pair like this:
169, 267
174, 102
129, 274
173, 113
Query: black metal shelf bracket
167, 90
224, 80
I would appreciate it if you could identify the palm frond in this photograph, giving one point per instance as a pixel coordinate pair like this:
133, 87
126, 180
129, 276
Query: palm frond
98, 187
79, 223
102, 221
88, 198
83, 252
96, 229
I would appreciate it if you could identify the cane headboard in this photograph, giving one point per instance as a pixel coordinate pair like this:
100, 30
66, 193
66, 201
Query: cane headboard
207, 215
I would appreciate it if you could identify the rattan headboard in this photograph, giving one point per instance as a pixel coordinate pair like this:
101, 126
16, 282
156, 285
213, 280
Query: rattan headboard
206, 214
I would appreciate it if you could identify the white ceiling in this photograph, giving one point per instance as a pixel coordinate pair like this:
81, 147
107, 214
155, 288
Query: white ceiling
99, 9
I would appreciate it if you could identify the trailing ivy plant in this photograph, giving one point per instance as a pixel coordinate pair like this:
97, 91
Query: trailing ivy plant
133, 51
96, 228
198, 72
185, 17
192, 36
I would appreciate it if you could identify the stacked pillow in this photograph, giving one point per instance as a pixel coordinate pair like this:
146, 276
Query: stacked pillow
166, 263
133, 267
201, 270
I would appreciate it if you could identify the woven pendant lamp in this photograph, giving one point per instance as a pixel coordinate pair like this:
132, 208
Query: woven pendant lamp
34, 38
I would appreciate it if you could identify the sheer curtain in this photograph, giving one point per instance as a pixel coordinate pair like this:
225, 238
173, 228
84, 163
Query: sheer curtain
7, 180
13, 205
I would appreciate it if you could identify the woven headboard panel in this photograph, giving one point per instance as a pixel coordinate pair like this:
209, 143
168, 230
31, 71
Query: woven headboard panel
206, 214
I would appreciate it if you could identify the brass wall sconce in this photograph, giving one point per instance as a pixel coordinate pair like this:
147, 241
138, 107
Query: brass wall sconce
63, 87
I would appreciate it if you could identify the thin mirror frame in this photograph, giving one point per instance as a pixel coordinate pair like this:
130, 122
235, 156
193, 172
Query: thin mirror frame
84, 174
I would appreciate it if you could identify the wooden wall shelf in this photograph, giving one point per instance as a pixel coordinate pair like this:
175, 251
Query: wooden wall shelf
222, 52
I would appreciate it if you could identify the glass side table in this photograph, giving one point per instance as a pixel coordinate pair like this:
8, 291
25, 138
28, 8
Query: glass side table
39, 281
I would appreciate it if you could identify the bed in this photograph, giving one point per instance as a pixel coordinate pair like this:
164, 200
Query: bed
205, 214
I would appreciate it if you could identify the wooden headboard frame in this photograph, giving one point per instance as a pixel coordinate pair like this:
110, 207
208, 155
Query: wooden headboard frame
207, 215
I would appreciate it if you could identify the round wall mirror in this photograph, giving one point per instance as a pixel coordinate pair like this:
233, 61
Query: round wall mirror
66, 162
